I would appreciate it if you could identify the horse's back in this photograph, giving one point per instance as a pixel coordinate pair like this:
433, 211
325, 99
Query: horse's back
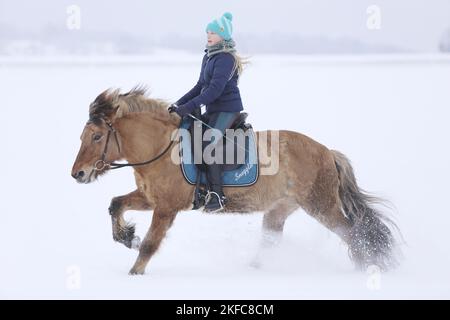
294, 143
303, 162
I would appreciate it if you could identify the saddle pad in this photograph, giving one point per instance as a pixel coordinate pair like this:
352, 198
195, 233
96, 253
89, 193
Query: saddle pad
244, 175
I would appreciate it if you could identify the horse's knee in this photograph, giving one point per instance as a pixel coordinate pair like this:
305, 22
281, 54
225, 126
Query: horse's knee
123, 232
115, 207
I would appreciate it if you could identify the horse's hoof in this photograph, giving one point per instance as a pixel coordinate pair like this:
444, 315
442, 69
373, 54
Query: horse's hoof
136, 243
135, 272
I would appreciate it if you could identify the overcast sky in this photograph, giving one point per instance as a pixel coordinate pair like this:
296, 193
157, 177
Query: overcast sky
411, 24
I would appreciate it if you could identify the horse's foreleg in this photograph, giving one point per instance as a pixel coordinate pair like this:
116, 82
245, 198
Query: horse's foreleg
161, 222
123, 232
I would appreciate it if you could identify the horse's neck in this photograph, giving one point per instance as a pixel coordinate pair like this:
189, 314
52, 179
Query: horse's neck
143, 137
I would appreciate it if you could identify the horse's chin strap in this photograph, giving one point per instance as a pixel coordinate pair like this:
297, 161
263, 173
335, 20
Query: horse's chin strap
102, 164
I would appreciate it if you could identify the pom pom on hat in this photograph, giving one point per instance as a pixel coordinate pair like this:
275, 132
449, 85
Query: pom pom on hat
228, 15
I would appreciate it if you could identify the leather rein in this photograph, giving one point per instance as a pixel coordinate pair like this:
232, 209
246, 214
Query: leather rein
102, 164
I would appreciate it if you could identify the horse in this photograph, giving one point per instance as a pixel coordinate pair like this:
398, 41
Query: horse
134, 127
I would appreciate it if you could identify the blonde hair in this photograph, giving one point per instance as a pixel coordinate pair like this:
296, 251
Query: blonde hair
240, 63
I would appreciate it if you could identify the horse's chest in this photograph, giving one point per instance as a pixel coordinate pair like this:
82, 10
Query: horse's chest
146, 186
143, 185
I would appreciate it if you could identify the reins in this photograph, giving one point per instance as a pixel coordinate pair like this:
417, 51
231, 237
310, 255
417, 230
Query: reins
113, 165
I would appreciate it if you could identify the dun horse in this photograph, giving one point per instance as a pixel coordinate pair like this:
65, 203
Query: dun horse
135, 128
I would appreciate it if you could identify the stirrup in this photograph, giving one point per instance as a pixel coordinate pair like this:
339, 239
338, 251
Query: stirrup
221, 200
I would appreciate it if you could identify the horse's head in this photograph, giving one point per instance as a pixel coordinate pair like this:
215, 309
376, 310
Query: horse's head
101, 144
99, 141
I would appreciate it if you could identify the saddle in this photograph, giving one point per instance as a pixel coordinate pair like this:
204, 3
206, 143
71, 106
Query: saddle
237, 123
240, 172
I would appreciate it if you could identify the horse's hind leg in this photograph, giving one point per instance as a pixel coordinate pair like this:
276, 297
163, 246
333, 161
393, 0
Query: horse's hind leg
123, 232
323, 202
161, 222
273, 225
334, 220
273, 221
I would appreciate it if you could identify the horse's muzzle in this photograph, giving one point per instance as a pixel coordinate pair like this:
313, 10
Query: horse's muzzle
80, 176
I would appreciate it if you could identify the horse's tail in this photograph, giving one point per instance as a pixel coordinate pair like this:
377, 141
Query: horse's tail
371, 239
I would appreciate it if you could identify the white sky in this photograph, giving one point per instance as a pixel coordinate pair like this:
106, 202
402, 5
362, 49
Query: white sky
411, 24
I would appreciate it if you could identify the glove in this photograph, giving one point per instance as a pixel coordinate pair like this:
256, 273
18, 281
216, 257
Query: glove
182, 110
173, 108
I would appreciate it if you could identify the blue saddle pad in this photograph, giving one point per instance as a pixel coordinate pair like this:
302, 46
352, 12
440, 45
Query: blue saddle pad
244, 175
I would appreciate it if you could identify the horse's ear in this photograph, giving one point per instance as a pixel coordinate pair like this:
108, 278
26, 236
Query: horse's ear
112, 113
116, 111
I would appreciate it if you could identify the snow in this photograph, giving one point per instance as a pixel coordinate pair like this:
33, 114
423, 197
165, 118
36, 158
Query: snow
388, 114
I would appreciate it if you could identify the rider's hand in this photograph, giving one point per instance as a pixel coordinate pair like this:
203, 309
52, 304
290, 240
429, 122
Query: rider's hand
182, 110
173, 108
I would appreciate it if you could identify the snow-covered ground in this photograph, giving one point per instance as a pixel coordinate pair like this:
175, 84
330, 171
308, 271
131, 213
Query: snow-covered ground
389, 114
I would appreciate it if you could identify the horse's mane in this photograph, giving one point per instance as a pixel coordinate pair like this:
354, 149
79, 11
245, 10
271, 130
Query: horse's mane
112, 102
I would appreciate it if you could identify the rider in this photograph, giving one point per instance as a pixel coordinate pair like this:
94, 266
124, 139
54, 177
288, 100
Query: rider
217, 89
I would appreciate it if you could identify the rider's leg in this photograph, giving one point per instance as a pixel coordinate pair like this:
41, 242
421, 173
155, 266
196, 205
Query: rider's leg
220, 121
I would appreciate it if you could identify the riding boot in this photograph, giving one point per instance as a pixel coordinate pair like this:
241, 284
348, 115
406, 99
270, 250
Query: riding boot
216, 198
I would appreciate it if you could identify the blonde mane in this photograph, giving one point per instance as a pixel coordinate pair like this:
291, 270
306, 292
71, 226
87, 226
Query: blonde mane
112, 102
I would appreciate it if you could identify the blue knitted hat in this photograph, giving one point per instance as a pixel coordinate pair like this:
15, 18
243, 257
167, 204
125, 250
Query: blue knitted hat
222, 26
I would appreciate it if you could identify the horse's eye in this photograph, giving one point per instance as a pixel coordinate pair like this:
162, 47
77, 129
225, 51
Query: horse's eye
97, 137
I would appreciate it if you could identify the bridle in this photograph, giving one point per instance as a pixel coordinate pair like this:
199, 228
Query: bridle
102, 164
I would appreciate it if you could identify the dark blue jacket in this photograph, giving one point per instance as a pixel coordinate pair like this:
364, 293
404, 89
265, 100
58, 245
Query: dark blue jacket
214, 88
